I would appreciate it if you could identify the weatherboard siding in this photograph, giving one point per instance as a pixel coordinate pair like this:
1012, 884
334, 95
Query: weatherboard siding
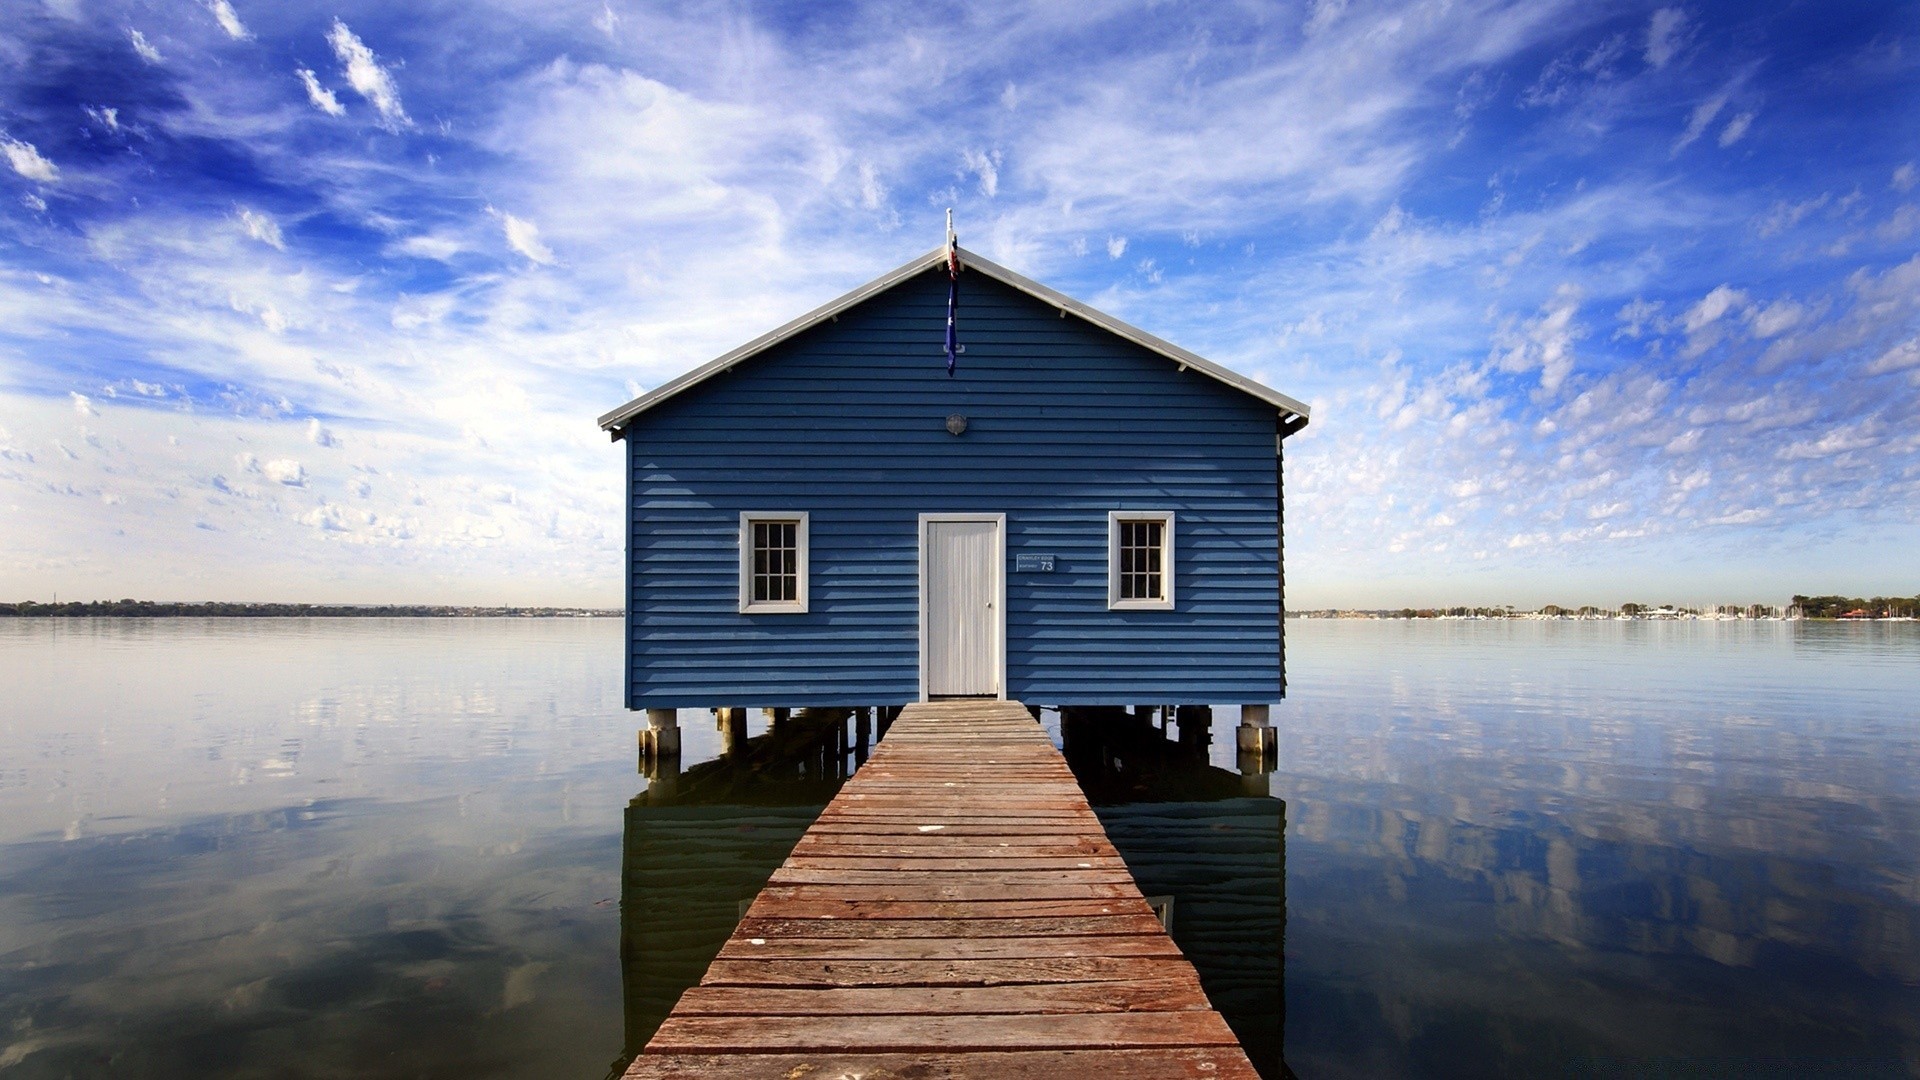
847, 422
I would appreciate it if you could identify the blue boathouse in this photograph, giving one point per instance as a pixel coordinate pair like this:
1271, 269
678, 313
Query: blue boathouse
1080, 514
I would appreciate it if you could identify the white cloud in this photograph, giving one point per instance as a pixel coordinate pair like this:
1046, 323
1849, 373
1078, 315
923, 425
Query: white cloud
1776, 318
26, 160
228, 19
1545, 342
285, 471
141, 46
321, 97
319, 434
327, 517
262, 227
83, 404
1666, 34
1702, 116
986, 166
1784, 215
1636, 316
1735, 129
364, 73
106, 116
1321, 15
1904, 178
523, 236
873, 193
1898, 358
1116, 246
1711, 307
608, 21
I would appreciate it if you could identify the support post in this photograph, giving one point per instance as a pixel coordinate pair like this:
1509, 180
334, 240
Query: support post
863, 734
1195, 725
1254, 736
732, 722
661, 737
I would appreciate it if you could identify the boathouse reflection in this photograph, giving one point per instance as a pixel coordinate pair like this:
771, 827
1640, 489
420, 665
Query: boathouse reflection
701, 843
1210, 840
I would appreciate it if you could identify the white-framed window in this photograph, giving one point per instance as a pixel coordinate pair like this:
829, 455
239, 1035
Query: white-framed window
1140, 559
773, 562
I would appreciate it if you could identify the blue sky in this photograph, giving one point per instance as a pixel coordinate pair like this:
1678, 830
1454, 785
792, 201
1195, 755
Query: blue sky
1593, 302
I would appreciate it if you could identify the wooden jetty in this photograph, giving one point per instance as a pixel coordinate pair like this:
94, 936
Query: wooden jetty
956, 911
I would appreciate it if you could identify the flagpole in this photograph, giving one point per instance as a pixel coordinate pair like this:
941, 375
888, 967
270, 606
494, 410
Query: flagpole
953, 293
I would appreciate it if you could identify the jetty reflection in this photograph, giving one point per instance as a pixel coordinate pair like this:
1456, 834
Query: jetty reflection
1210, 840
700, 843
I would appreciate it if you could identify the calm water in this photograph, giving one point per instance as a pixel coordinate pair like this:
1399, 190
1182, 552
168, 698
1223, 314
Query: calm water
404, 848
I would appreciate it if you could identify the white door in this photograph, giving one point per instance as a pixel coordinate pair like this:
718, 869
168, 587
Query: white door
960, 605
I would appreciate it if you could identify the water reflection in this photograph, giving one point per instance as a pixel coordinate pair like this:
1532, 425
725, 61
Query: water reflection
1617, 849
699, 844
400, 847
333, 848
1209, 840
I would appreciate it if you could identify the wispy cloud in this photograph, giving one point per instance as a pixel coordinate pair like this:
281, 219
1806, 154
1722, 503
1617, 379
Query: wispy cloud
321, 97
27, 160
1667, 31
524, 237
262, 227
985, 165
365, 74
143, 47
229, 19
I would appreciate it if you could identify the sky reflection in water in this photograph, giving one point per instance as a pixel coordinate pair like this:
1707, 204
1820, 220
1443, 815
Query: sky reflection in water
394, 848
1595, 848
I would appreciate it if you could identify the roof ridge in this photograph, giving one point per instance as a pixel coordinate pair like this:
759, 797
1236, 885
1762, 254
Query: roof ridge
617, 420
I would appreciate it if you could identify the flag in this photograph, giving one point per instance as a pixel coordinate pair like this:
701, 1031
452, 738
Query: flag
953, 293
953, 301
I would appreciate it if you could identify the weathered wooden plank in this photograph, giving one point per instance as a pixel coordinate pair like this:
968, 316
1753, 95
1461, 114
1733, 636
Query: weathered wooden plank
958, 948
1140, 1064
1028, 926
948, 893
983, 873
896, 1034
789, 908
948, 863
914, 844
1135, 995
823, 973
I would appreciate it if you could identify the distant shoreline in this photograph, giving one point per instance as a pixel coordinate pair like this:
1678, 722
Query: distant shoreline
1535, 616
150, 609
1808, 608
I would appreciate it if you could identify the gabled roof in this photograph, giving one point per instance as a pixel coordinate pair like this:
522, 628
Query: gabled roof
1293, 413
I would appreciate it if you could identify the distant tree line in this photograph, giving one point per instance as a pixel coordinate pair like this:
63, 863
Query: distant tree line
1853, 607
218, 609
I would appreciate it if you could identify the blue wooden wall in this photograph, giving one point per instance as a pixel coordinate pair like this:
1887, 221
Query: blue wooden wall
847, 421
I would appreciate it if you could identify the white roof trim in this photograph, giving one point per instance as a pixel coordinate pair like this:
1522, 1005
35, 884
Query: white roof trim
620, 417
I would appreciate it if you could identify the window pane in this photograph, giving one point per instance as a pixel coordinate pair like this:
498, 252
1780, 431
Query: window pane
1141, 569
775, 561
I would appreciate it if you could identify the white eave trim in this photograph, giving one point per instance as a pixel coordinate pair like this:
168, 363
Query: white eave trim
620, 417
